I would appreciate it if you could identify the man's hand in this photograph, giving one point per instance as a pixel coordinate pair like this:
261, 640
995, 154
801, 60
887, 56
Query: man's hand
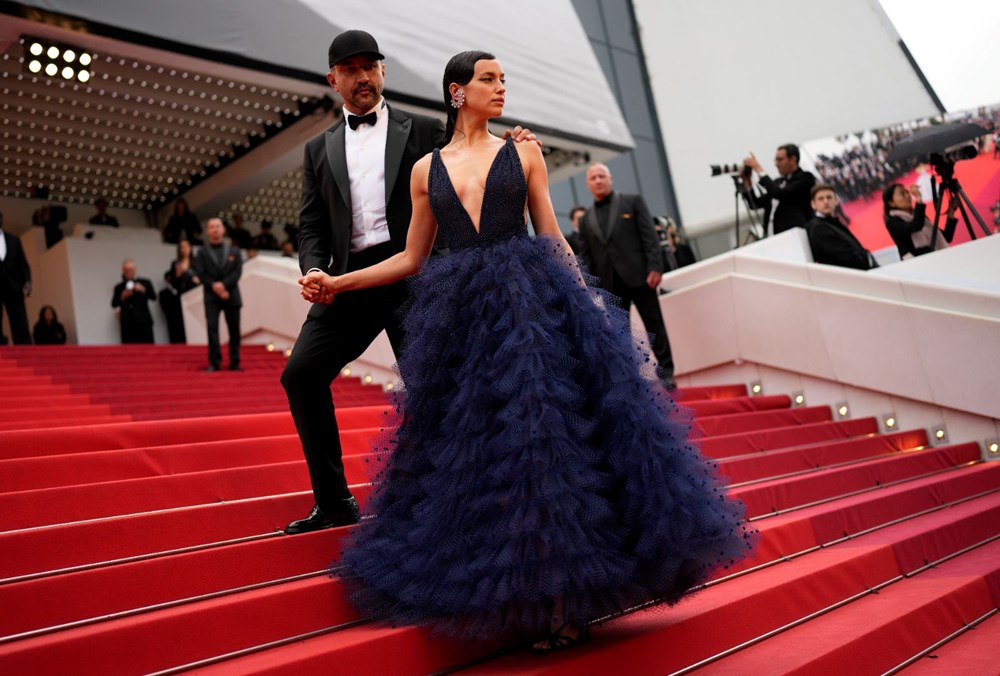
27, 289
317, 287
220, 290
521, 134
751, 161
653, 279
139, 288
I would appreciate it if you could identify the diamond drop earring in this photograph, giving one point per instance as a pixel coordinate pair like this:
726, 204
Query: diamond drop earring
458, 99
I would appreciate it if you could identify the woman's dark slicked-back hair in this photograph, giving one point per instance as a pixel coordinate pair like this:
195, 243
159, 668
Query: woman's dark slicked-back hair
459, 70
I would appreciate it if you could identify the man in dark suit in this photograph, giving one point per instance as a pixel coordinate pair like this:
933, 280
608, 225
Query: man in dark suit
131, 297
355, 212
219, 266
15, 286
785, 200
102, 217
618, 243
832, 243
576, 215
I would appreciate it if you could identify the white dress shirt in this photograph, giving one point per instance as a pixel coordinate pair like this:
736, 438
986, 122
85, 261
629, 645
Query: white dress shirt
365, 150
3, 246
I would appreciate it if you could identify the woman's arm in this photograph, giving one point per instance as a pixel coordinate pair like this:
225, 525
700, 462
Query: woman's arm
543, 215
320, 287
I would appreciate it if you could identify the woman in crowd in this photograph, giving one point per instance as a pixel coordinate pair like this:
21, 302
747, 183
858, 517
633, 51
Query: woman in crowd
906, 220
180, 277
48, 330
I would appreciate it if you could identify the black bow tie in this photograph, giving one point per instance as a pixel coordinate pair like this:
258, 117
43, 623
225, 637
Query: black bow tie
357, 120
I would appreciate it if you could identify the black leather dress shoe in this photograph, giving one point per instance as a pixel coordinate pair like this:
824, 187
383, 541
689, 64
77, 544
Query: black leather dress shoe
318, 520
211, 368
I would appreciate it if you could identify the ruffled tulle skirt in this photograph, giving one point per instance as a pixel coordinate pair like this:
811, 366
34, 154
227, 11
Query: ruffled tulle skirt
537, 457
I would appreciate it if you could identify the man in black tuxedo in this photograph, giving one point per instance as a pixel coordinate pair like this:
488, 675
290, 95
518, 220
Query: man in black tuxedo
355, 212
618, 243
219, 266
102, 217
576, 215
785, 200
15, 286
832, 243
131, 297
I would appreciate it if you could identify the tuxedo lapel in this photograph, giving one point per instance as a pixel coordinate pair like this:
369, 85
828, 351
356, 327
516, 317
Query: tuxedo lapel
336, 154
395, 144
614, 213
595, 225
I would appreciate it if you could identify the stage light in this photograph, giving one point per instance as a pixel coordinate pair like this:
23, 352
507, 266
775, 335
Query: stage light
798, 399
756, 387
56, 59
843, 411
939, 434
889, 421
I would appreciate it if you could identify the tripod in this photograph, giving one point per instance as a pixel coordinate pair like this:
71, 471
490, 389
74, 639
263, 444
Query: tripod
756, 229
956, 195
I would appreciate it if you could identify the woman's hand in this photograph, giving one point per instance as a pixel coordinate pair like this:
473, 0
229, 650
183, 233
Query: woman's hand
318, 287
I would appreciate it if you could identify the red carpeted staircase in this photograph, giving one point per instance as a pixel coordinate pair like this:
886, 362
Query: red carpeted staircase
142, 501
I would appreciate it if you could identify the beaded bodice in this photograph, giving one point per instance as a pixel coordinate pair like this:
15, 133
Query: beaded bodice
502, 214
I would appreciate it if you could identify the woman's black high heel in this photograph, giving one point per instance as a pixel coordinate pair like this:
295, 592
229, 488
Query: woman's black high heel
558, 641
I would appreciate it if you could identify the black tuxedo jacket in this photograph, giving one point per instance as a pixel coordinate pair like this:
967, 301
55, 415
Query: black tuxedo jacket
630, 247
325, 216
14, 270
228, 273
794, 201
135, 308
833, 244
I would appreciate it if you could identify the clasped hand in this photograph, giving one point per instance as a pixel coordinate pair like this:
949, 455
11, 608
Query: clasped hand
317, 287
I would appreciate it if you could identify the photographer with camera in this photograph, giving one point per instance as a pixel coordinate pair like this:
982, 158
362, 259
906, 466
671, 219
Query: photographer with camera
785, 200
906, 220
131, 299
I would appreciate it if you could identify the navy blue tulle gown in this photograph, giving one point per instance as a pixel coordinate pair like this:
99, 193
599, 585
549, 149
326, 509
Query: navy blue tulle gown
537, 457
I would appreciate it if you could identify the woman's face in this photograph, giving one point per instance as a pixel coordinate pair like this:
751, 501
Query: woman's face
901, 199
49, 314
486, 90
184, 248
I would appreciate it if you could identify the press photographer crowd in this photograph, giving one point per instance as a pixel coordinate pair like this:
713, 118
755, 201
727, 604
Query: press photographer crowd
920, 217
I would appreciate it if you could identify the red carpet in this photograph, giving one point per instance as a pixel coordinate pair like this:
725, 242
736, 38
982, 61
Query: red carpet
141, 531
980, 177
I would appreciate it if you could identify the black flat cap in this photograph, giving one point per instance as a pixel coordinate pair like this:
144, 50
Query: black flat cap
351, 43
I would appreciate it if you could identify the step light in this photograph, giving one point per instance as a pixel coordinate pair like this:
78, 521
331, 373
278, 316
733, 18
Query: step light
939, 434
889, 421
756, 388
842, 410
798, 399
993, 449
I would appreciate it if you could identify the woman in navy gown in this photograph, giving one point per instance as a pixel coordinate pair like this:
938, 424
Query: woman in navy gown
540, 478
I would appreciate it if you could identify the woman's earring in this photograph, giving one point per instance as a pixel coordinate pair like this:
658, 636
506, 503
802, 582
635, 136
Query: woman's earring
458, 99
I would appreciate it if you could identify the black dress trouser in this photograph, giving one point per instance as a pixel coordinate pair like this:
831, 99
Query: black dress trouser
326, 344
647, 302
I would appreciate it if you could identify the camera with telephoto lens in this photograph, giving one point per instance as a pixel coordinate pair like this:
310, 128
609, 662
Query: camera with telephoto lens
729, 169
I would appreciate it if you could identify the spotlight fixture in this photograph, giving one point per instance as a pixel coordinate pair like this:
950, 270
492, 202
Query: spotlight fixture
54, 59
842, 409
889, 421
993, 449
939, 434
756, 387
798, 399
